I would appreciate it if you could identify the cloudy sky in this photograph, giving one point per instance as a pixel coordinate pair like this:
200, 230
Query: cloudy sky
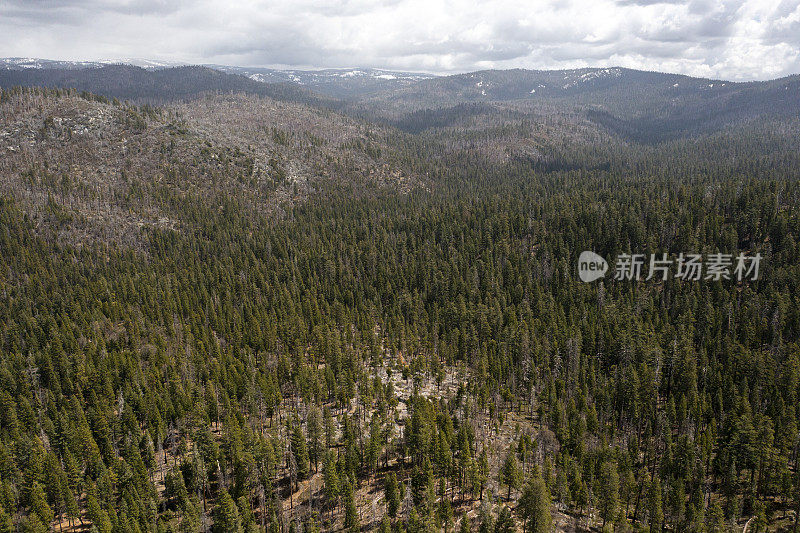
731, 39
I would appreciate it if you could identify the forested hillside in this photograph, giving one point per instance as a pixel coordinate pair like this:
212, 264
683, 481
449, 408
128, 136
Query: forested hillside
637, 105
242, 313
336, 83
126, 82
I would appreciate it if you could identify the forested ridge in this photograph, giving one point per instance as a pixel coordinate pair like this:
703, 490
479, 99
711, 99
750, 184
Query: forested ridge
400, 340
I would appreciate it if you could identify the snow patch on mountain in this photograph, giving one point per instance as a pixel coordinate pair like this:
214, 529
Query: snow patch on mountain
582, 76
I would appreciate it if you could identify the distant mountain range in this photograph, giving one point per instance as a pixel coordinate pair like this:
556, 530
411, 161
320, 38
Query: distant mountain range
638, 105
338, 83
21, 63
127, 82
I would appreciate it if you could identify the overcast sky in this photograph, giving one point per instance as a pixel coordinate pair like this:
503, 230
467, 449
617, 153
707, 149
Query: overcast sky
730, 39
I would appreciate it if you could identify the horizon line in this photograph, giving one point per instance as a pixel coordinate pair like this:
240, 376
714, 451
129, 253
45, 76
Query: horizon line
159, 64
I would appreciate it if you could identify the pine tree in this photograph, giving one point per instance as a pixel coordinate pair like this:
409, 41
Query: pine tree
534, 506
315, 448
38, 503
464, 526
485, 517
609, 491
509, 473
482, 472
654, 505
226, 515
386, 525
330, 479
246, 514
351, 520
70, 505
505, 521
33, 524
98, 516
715, 519
392, 495
190, 518
422, 485
445, 513
300, 451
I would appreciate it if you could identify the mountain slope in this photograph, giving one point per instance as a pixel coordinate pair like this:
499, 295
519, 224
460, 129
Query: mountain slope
635, 105
25, 63
105, 171
642, 106
127, 82
336, 83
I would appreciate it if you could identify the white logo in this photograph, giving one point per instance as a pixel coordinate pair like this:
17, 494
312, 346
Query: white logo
591, 266
690, 267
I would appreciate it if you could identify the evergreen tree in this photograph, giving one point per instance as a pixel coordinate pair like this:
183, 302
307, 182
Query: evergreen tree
608, 491
392, 495
351, 519
464, 526
534, 506
331, 479
226, 515
38, 503
654, 505
300, 451
97, 515
509, 473
505, 521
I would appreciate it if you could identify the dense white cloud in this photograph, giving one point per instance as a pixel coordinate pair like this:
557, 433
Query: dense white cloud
732, 39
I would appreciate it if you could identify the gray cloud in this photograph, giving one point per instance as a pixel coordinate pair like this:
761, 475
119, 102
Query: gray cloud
732, 39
